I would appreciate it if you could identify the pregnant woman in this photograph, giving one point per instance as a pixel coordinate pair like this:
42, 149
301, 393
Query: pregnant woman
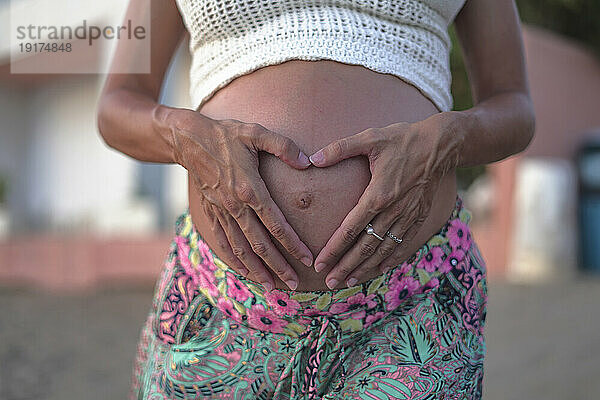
325, 253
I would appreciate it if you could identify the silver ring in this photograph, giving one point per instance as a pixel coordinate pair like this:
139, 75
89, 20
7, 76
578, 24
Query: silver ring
393, 237
370, 231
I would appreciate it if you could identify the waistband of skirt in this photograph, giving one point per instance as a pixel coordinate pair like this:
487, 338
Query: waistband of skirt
352, 309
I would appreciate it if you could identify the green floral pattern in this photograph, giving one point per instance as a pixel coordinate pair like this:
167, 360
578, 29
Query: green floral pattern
415, 332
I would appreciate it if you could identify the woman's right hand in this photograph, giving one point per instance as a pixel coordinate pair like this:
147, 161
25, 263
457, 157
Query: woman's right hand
222, 158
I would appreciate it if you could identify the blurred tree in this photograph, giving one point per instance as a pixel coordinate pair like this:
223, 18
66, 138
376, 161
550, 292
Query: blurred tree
3, 188
578, 19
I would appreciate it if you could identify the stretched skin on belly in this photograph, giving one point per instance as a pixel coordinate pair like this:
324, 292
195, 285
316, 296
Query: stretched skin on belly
314, 104
315, 200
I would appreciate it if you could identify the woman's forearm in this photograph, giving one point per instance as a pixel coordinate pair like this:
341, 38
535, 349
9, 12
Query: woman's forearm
494, 129
138, 126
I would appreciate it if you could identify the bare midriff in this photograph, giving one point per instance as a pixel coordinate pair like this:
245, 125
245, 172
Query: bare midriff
315, 103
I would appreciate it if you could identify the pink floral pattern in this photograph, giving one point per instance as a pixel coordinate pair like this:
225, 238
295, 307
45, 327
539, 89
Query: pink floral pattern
354, 306
452, 260
236, 289
459, 235
313, 312
205, 282
226, 327
374, 318
183, 256
433, 283
401, 290
265, 320
431, 260
207, 258
422, 272
281, 302
227, 308
177, 300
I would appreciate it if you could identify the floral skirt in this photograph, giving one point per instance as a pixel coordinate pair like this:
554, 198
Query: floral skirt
415, 332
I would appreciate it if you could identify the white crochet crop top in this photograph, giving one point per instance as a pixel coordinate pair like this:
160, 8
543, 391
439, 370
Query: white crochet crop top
406, 38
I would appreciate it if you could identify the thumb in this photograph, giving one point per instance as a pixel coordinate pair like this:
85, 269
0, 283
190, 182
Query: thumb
341, 149
282, 147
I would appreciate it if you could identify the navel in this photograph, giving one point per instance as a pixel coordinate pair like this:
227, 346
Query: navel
303, 199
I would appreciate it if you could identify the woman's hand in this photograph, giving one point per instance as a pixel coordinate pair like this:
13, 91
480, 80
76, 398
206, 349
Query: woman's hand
407, 163
222, 158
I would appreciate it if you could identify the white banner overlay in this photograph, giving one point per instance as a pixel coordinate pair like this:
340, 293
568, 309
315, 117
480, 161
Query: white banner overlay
61, 36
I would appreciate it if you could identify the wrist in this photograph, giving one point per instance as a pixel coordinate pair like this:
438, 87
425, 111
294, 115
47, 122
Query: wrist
164, 126
444, 137
451, 130
172, 123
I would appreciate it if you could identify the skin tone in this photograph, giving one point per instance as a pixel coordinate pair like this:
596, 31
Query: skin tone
501, 123
222, 155
130, 120
226, 174
325, 101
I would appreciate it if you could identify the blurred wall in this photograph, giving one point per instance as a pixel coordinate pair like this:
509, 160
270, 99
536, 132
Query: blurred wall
565, 85
532, 232
60, 175
78, 214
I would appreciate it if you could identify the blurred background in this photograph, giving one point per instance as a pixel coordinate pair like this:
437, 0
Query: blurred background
84, 229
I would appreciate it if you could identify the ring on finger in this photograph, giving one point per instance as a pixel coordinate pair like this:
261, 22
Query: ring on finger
394, 237
370, 231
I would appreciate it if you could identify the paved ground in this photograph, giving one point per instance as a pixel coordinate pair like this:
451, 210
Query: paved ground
543, 343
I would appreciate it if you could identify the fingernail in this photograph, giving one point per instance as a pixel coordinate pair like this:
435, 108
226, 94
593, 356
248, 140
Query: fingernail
268, 287
306, 261
317, 158
303, 159
292, 284
320, 267
332, 283
352, 282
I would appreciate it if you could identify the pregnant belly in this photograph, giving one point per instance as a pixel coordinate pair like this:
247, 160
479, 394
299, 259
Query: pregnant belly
315, 103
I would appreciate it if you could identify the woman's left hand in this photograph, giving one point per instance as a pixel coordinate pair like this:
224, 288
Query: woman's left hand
407, 163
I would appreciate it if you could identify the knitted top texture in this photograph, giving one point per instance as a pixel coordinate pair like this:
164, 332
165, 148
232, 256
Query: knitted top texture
405, 38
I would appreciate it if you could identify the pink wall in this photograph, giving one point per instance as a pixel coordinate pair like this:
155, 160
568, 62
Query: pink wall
564, 79
82, 262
